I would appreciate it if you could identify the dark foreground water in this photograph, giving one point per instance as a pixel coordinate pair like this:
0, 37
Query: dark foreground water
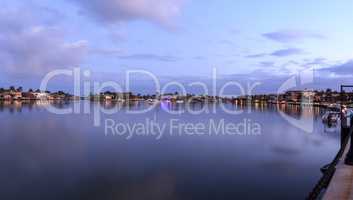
49, 156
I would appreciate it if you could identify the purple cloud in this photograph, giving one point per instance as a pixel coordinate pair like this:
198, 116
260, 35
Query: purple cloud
266, 64
107, 52
116, 11
29, 45
256, 55
278, 53
291, 35
341, 69
287, 52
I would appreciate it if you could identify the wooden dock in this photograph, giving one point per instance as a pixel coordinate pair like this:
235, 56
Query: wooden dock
341, 185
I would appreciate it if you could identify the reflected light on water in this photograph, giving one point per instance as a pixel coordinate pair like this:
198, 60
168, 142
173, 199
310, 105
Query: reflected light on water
68, 158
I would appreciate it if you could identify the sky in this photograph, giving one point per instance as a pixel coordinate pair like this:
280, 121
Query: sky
177, 40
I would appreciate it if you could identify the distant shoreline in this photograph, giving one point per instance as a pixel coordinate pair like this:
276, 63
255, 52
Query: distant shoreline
315, 98
232, 101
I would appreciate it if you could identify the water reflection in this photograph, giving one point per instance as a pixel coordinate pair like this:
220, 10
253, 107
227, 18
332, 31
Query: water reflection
292, 110
48, 156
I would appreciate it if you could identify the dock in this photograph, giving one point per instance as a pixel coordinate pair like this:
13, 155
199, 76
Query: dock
337, 180
341, 185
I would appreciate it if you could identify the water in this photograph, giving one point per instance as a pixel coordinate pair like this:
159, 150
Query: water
49, 156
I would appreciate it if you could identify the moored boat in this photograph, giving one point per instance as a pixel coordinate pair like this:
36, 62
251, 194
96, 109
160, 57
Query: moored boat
331, 117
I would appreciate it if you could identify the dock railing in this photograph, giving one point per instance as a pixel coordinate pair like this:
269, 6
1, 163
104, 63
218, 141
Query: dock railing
346, 133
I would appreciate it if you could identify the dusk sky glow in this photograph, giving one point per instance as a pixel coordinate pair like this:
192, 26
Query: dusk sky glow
177, 39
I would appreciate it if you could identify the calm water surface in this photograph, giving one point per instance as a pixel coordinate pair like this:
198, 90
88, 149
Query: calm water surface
49, 156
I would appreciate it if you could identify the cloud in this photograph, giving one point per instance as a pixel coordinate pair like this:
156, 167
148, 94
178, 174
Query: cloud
161, 12
345, 69
287, 52
150, 57
107, 52
266, 64
278, 53
271, 81
256, 55
317, 61
27, 45
291, 35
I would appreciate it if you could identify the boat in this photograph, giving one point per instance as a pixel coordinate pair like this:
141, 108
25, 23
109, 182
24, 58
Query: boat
334, 106
152, 101
179, 101
331, 117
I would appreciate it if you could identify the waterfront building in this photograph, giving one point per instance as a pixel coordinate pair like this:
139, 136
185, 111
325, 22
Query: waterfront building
41, 95
28, 96
293, 96
16, 95
108, 97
